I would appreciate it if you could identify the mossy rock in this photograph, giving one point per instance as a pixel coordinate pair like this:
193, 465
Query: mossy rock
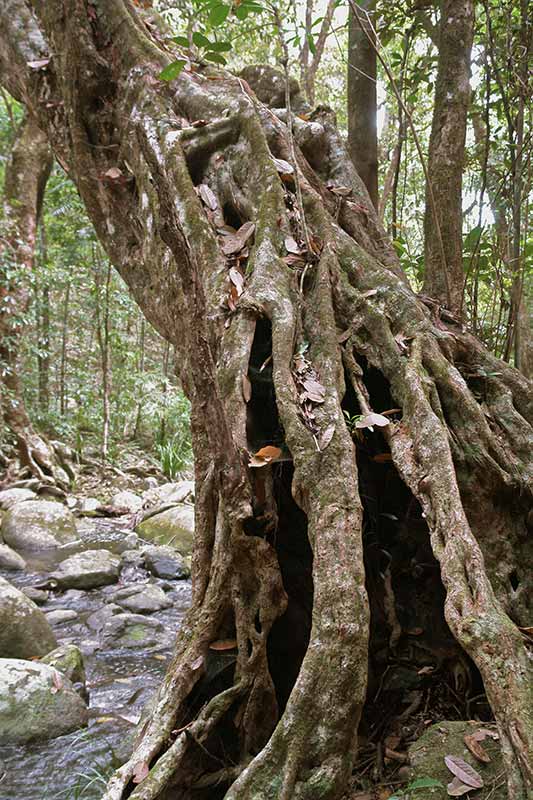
174, 527
447, 739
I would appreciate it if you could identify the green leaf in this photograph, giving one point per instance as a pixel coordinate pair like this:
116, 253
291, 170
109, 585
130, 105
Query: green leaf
218, 59
241, 12
311, 43
181, 40
218, 15
172, 70
425, 783
200, 40
220, 47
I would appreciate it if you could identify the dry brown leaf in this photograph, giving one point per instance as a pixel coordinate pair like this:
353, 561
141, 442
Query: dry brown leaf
140, 771
246, 388
268, 452
341, 191
315, 391
232, 244
208, 196
482, 734
292, 246
113, 173
456, 788
476, 748
294, 261
197, 663
223, 644
464, 771
326, 437
382, 458
237, 279
283, 167
370, 293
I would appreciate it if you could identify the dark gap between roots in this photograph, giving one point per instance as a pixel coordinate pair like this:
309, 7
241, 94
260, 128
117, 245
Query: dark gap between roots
417, 671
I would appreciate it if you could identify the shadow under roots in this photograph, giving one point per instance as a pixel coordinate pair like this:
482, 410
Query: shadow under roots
418, 674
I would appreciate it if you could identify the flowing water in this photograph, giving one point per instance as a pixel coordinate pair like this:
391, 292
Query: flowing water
120, 682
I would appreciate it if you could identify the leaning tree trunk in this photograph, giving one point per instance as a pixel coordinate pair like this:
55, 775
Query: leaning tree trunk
276, 325
25, 180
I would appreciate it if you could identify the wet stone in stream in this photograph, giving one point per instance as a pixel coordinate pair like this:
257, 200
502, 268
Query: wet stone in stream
120, 680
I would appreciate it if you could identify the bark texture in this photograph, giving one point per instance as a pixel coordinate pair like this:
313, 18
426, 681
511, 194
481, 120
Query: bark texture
443, 221
362, 97
25, 180
265, 691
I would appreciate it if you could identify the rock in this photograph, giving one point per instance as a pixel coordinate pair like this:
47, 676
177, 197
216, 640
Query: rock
142, 599
39, 596
9, 559
68, 660
98, 619
132, 541
9, 497
165, 562
127, 499
447, 738
38, 525
169, 493
88, 506
131, 630
24, 629
87, 570
59, 615
150, 483
36, 702
174, 526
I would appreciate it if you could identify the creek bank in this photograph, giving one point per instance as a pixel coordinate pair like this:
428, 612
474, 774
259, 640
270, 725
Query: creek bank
115, 619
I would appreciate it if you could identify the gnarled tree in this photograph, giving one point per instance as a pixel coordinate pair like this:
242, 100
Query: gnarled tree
267, 685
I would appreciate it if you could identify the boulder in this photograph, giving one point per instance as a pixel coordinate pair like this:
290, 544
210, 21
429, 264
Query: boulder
9, 559
68, 660
87, 570
24, 629
88, 506
176, 492
59, 615
38, 525
39, 596
127, 499
36, 702
175, 527
446, 738
132, 631
142, 598
9, 497
165, 562
99, 618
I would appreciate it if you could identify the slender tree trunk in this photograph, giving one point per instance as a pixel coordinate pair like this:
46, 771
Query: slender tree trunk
25, 180
43, 357
362, 96
63, 395
443, 220
140, 370
278, 572
102, 335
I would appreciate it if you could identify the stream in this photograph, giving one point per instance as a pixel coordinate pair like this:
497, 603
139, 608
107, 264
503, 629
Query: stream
120, 681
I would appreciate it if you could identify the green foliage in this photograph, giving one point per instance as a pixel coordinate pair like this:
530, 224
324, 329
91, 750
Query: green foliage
414, 789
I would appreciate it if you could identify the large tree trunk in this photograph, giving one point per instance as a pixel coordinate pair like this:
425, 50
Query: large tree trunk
265, 691
443, 220
25, 180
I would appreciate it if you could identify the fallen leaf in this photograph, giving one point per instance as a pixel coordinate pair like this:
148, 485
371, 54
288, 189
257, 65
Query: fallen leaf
294, 261
315, 391
223, 644
326, 437
237, 279
42, 62
370, 420
268, 452
464, 771
140, 771
341, 191
197, 663
232, 244
208, 196
292, 246
283, 166
113, 173
457, 788
476, 748
482, 734
246, 388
